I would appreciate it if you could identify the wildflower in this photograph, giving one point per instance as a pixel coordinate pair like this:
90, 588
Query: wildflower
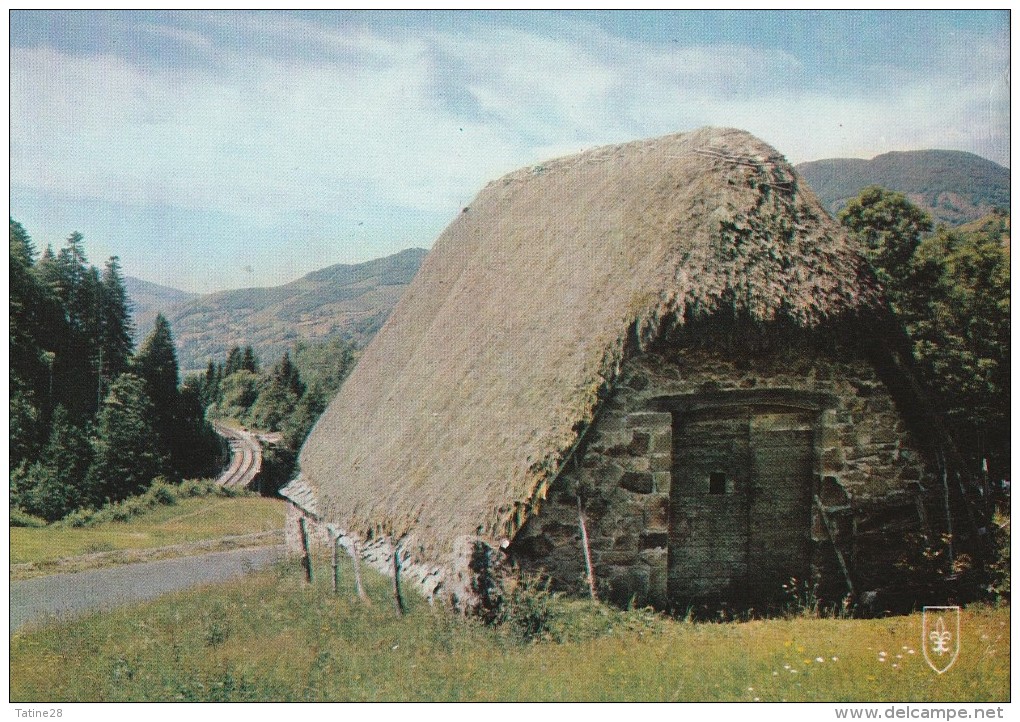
910, 651
819, 659
835, 659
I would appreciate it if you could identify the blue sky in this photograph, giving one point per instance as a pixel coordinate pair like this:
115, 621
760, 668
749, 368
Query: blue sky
214, 150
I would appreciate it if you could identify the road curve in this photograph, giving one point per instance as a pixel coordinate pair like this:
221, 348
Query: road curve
57, 596
245, 457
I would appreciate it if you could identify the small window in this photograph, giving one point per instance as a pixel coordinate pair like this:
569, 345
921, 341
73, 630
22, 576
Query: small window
717, 483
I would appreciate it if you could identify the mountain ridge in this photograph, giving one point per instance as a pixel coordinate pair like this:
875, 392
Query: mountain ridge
953, 186
351, 300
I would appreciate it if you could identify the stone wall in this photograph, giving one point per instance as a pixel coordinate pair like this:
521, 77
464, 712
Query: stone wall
868, 475
450, 583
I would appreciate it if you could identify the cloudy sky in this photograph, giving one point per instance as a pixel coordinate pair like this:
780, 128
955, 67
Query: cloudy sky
227, 149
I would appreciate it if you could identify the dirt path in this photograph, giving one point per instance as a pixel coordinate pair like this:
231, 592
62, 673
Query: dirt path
245, 457
58, 596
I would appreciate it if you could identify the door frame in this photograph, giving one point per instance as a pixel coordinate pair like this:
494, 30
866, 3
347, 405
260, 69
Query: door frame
687, 406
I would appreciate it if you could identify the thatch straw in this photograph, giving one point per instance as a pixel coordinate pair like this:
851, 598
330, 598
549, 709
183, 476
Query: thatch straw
463, 407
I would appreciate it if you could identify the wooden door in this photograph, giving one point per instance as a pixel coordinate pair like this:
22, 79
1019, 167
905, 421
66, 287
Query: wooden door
739, 503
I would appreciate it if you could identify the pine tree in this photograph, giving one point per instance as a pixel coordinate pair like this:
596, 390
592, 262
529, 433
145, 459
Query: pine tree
26, 370
127, 454
278, 395
116, 327
198, 448
249, 362
156, 364
233, 363
72, 338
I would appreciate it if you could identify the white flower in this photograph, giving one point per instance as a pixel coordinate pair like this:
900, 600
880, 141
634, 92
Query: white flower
819, 659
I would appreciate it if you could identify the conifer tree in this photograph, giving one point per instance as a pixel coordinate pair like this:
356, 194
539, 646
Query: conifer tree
116, 327
127, 454
156, 364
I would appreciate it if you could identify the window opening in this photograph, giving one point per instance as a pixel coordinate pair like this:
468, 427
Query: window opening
717, 483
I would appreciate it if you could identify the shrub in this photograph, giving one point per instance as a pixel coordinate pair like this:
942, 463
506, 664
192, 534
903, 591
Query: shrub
160, 493
522, 606
24, 519
998, 577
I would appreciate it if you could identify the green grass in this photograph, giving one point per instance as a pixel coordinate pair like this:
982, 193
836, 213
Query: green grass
271, 637
189, 520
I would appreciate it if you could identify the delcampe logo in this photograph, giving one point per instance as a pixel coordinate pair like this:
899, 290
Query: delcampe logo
940, 636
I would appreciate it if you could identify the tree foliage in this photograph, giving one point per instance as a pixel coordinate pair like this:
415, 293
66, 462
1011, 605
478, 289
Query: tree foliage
891, 228
54, 485
74, 413
287, 398
127, 453
950, 289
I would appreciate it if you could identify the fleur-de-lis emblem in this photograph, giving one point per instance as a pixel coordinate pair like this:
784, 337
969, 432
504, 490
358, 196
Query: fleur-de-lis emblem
940, 641
940, 638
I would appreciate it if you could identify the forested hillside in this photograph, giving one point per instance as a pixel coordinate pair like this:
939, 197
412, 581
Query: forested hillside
91, 419
952, 186
149, 299
286, 398
351, 301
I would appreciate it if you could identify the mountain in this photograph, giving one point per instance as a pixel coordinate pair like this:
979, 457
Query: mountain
348, 300
148, 299
953, 186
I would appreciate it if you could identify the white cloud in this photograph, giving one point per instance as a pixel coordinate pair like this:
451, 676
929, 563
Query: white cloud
419, 122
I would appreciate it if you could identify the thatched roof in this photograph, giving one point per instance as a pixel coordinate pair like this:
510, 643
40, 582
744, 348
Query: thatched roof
466, 403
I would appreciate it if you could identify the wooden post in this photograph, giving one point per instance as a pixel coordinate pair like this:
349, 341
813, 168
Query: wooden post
356, 556
398, 597
587, 551
306, 560
831, 531
336, 564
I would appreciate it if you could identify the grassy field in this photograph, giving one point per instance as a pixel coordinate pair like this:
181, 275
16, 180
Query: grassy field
189, 520
271, 637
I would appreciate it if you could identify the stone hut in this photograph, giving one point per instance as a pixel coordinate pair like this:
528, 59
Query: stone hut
668, 343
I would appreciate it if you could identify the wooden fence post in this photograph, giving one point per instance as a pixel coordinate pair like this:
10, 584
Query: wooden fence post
356, 556
587, 551
306, 560
397, 594
336, 564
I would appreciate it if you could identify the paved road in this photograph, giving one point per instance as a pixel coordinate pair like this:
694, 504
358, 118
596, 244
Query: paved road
64, 595
245, 457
